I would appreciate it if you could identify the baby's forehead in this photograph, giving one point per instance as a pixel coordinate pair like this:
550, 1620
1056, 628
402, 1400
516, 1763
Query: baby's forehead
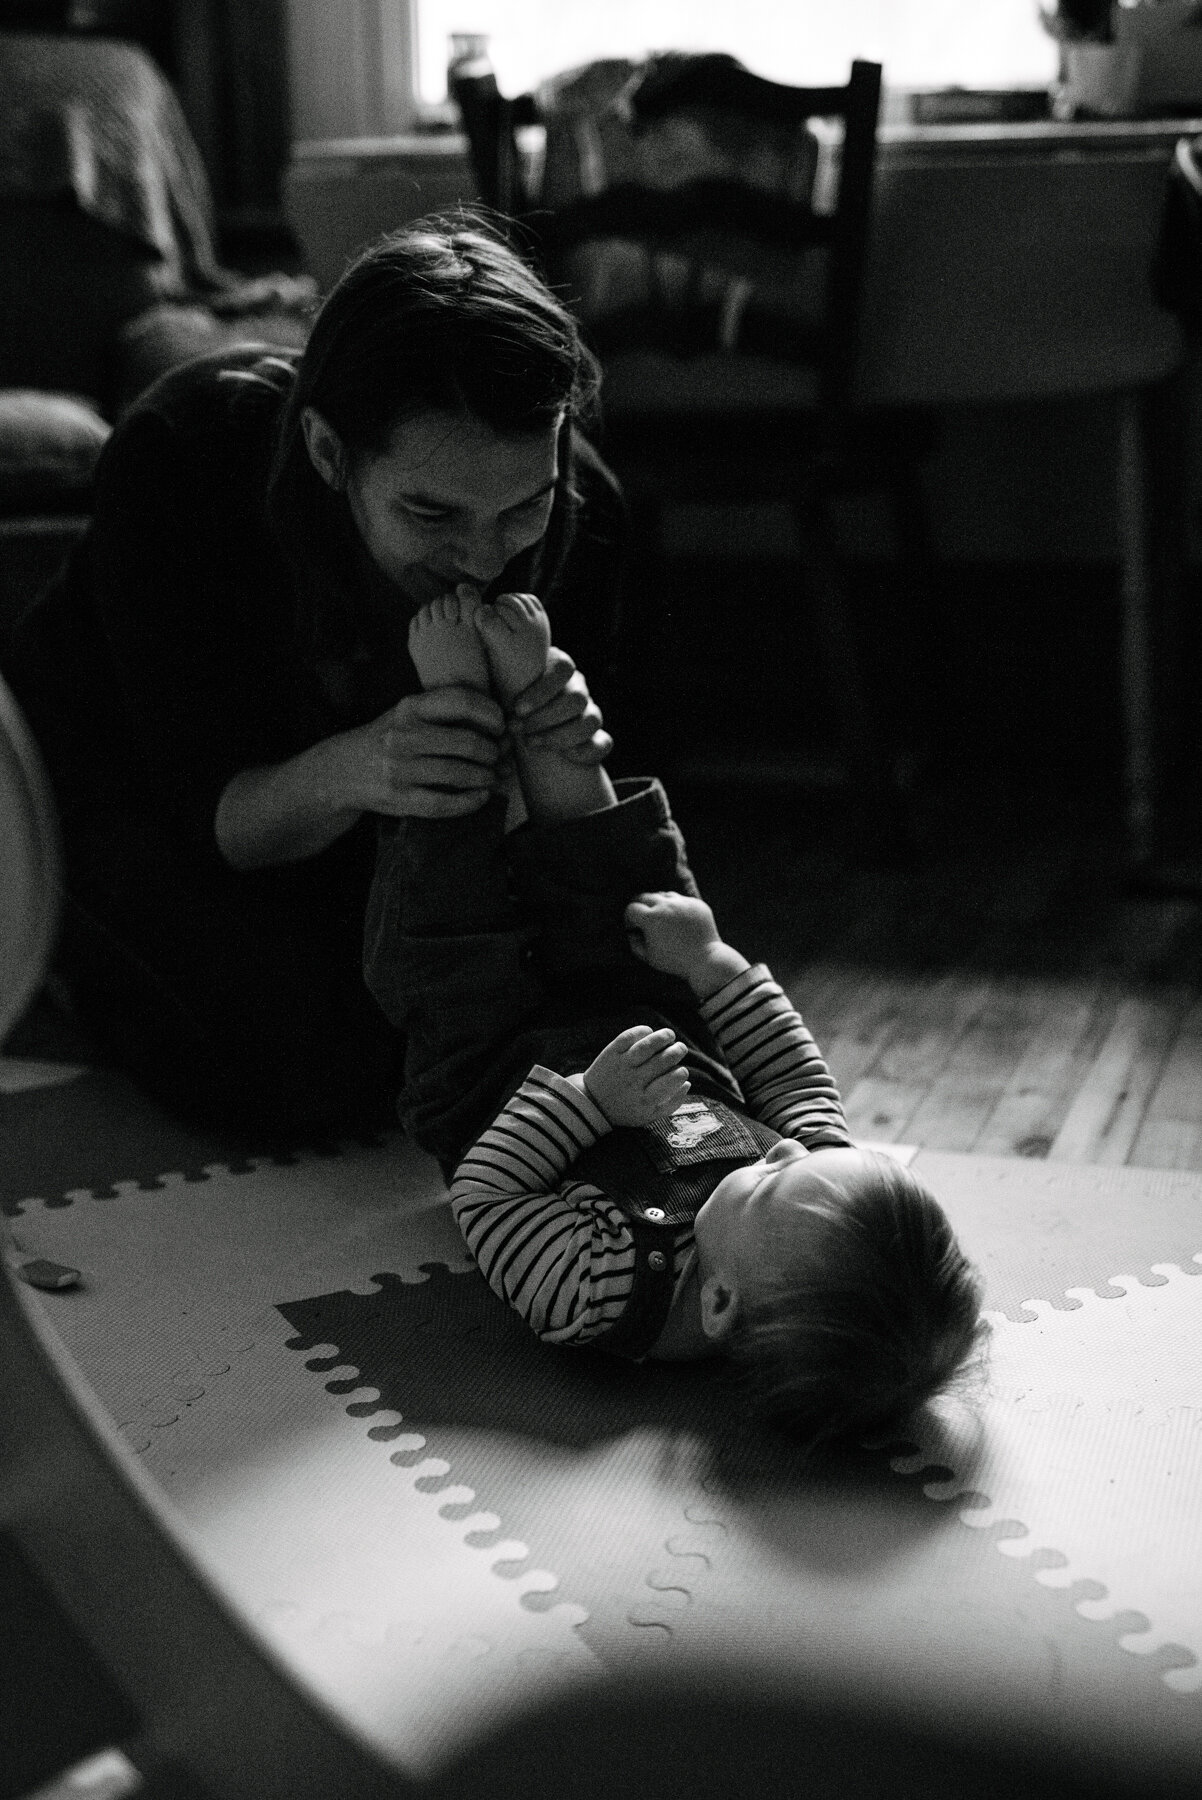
830, 1165
810, 1189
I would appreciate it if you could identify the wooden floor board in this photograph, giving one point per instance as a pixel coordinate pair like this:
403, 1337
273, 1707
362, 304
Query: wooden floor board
820, 993
923, 1038
1034, 1100
880, 1108
1103, 1122
1168, 1144
873, 1008
927, 1034
964, 1095
1174, 1109
998, 991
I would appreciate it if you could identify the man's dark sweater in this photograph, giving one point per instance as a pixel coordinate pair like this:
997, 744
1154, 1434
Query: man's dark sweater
183, 644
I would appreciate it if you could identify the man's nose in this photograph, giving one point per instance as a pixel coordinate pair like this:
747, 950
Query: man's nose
480, 555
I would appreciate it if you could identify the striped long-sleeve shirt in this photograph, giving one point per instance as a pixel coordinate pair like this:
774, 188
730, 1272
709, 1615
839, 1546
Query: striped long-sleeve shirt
557, 1248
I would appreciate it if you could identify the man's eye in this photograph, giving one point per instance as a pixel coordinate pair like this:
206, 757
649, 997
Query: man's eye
527, 509
424, 514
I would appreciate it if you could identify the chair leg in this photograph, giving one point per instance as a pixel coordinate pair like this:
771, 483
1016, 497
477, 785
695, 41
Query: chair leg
878, 825
925, 621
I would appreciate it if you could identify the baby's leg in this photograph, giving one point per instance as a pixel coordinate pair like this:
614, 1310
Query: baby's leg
444, 948
590, 847
577, 877
517, 635
446, 956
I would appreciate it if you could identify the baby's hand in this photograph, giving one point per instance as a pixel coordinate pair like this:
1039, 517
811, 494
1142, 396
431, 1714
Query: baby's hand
677, 935
637, 1077
672, 932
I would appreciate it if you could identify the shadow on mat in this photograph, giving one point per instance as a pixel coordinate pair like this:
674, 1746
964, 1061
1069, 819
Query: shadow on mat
447, 1355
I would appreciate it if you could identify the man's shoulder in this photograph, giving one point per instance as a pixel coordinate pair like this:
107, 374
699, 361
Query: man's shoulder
206, 428
233, 391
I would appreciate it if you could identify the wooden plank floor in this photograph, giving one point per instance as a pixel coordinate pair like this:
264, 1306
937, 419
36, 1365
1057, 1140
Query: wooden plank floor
997, 992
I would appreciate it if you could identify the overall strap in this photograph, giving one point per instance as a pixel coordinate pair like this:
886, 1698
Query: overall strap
646, 1312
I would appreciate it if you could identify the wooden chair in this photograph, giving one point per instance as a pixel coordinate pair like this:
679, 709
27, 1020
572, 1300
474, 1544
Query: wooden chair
729, 375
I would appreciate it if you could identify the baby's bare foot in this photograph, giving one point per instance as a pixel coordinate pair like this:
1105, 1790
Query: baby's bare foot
446, 648
517, 635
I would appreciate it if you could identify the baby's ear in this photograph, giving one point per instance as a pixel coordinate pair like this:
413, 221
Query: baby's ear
719, 1309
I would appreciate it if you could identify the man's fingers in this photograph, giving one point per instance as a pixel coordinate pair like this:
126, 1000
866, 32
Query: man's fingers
561, 720
406, 743
560, 671
590, 751
433, 803
449, 706
644, 905
441, 772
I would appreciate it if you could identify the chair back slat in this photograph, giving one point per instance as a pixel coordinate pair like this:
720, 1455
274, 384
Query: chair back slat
672, 213
724, 84
709, 207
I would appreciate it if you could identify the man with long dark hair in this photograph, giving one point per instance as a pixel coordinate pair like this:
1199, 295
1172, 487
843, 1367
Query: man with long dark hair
220, 682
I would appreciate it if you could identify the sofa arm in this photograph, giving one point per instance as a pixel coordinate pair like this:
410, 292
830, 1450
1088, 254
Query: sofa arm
49, 447
164, 336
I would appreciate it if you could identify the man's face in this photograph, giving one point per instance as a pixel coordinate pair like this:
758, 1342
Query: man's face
451, 500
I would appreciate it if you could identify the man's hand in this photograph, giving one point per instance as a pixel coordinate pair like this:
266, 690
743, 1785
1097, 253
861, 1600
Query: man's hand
637, 1077
434, 755
557, 712
676, 934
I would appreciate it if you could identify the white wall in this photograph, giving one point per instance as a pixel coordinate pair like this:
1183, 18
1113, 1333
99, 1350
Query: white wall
351, 68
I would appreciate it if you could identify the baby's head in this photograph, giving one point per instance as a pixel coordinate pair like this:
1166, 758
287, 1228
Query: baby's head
834, 1278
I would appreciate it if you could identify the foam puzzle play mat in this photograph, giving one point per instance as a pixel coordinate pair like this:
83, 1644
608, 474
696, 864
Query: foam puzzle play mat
434, 1519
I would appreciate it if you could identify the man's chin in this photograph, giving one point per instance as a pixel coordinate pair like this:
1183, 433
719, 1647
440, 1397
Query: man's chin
419, 585
424, 585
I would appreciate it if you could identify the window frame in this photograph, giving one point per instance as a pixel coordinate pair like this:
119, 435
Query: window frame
356, 72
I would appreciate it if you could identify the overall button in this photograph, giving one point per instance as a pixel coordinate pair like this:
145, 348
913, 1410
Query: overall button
655, 1212
657, 1261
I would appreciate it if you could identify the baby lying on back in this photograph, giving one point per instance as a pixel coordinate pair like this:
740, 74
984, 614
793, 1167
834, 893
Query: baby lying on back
647, 1154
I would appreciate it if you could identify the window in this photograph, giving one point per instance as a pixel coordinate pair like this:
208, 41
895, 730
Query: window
921, 43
